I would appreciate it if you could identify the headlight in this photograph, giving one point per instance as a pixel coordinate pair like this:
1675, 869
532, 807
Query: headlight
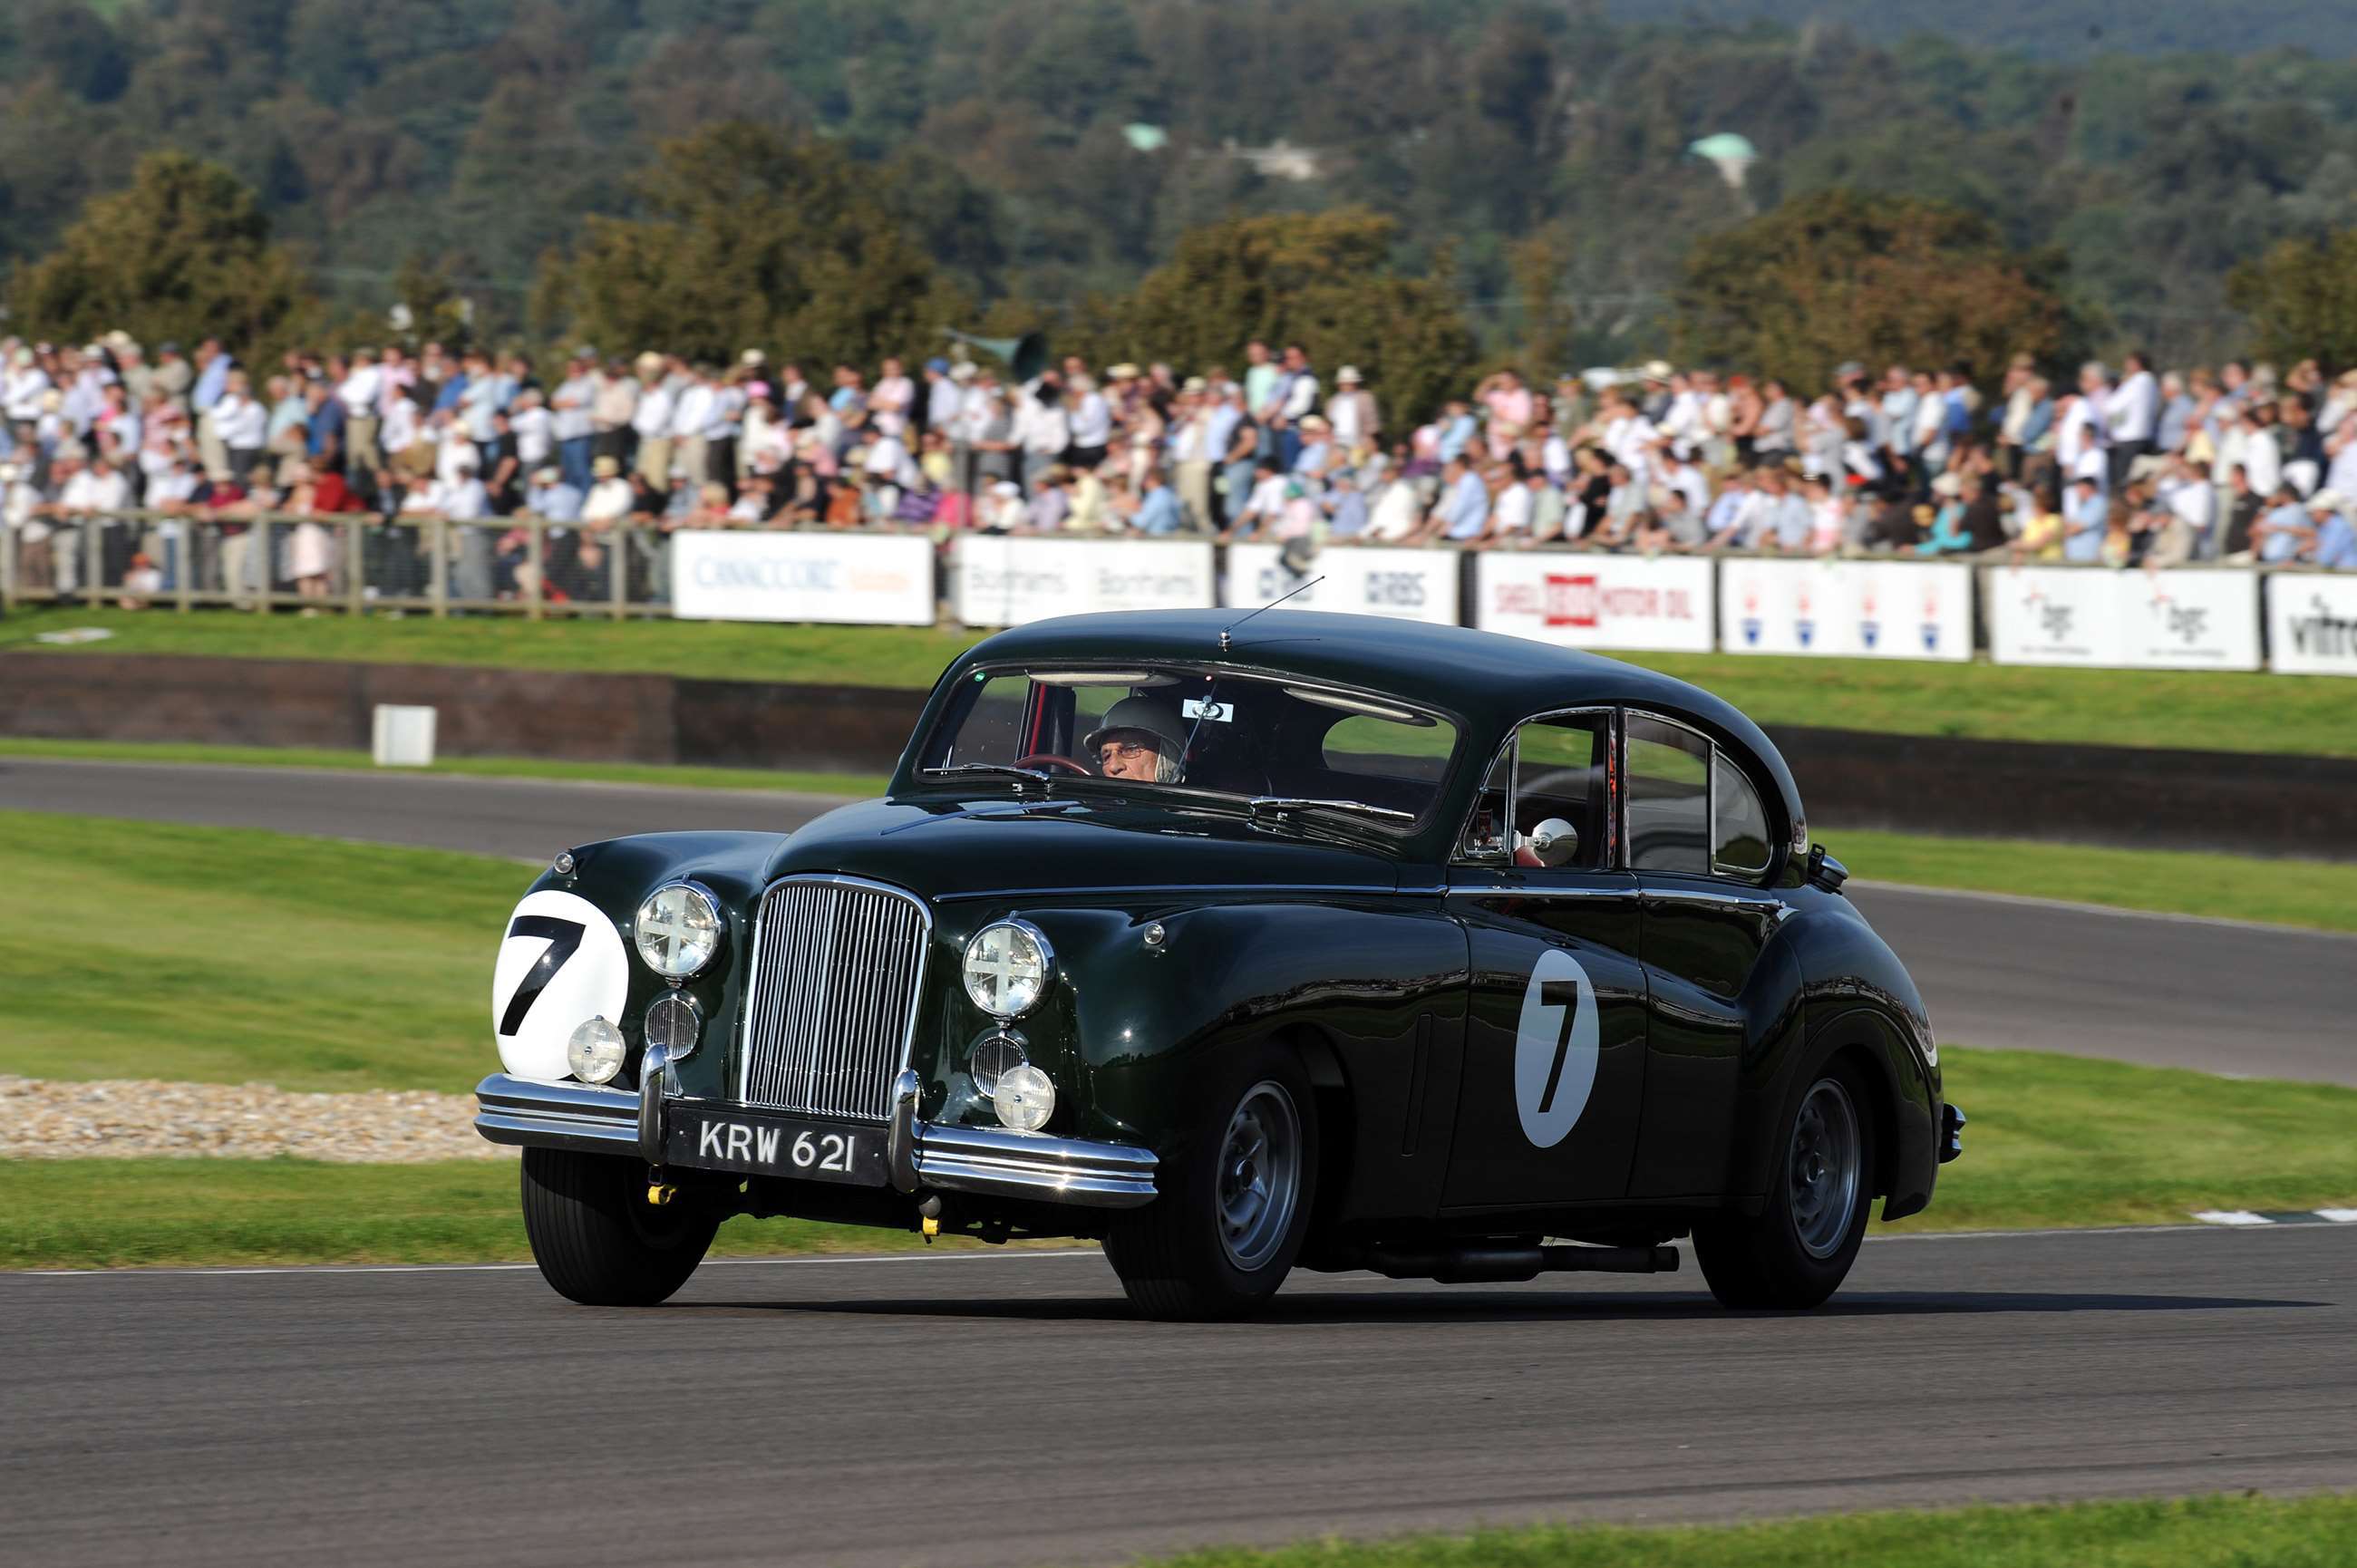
1025, 1099
1007, 967
991, 1058
677, 929
595, 1052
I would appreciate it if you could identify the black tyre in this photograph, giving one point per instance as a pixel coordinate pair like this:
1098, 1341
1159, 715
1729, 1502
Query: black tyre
1797, 1251
1224, 1233
596, 1237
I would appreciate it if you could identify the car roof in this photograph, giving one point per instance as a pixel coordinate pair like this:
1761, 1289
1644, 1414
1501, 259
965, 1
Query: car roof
1490, 680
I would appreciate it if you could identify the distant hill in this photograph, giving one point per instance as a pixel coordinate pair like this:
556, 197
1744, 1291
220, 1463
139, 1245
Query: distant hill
2048, 29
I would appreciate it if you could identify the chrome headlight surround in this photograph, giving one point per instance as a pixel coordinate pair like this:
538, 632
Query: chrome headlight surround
1008, 967
677, 929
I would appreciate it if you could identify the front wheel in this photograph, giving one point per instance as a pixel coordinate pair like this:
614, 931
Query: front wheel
597, 1240
1224, 1232
1797, 1251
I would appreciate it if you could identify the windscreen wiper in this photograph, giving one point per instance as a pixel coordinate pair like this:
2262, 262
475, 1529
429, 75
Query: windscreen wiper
1003, 769
1280, 804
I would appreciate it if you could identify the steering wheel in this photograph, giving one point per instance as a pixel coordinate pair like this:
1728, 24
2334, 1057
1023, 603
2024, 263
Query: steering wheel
1049, 759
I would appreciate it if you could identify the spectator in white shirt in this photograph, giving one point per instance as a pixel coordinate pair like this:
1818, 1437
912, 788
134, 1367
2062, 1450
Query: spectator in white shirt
361, 393
2131, 414
652, 420
1092, 423
891, 399
691, 420
242, 424
1042, 431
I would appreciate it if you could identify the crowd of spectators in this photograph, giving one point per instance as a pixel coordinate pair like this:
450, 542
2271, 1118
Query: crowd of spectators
2122, 465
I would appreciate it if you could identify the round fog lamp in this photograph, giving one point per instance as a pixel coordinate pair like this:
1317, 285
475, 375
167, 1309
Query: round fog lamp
677, 929
595, 1052
1006, 968
1025, 1098
673, 1025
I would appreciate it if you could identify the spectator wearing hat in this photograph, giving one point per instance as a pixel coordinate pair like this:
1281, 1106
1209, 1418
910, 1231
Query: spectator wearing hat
1357, 423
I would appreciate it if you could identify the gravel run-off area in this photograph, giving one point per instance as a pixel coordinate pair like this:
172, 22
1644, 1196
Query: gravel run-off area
51, 1119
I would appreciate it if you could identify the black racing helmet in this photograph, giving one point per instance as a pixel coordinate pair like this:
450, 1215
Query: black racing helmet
1146, 717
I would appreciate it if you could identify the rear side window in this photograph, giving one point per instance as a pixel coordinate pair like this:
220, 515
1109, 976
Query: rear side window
1669, 798
1739, 823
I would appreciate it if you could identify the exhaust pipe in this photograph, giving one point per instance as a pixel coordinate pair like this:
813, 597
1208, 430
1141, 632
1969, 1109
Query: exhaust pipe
1505, 1263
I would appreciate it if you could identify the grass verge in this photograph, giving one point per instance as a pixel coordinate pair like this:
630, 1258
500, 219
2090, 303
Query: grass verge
2242, 1532
78, 1214
660, 775
2054, 1141
2200, 709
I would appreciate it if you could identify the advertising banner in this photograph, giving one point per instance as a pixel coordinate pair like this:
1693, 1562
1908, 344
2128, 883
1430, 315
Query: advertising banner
2187, 619
1856, 610
1596, 601
871, 579
1009, 581
1407, 584
2312, 622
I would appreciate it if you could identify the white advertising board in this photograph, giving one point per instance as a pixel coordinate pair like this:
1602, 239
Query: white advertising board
1406, 585
2312, 622
1009, 581
1595, 601
872, 579
1855, 609
2189, 619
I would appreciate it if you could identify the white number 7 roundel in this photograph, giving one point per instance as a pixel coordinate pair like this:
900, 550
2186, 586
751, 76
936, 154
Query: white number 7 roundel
1555, 1048
561, 960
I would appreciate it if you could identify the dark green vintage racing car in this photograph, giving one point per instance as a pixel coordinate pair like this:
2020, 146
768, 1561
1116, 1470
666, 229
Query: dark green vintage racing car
1299, 940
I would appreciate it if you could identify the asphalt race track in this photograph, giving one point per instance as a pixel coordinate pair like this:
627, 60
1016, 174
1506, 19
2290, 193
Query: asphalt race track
1004, 1409
2262, 1001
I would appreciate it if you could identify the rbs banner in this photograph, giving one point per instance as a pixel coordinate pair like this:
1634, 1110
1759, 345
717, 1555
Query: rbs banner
871, 579
1856, 610
1595, 601
1406, 585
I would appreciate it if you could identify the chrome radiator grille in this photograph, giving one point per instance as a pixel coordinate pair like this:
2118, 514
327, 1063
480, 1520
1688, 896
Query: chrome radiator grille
838, 968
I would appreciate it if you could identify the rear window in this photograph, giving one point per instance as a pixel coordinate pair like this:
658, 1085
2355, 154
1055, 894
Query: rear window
1669, 798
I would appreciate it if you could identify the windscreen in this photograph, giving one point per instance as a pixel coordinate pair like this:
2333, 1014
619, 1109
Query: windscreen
1253, 737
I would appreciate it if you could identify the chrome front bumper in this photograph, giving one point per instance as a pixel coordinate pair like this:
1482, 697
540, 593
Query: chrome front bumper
993, 1161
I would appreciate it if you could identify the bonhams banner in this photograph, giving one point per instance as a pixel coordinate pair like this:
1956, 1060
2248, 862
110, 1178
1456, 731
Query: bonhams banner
1595, 601
2184, 619
1856, 610
1006, 582
2312, 622
872, 579
1406, 585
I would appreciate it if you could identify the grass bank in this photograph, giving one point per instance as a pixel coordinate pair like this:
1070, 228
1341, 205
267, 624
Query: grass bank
2054, 1141
2211, 711
2242, 1532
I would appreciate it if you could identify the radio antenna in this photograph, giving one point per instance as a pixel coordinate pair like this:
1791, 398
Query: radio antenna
1303, 588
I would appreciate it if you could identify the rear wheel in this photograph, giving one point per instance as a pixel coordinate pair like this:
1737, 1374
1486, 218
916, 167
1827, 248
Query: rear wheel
1799, 1249
597, 1240
1224, 1232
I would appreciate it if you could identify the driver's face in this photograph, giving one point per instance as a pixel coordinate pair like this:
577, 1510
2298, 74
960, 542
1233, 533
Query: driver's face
1127, 759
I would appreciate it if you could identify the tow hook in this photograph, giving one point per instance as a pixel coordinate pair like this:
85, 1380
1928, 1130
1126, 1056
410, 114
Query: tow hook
659, 1189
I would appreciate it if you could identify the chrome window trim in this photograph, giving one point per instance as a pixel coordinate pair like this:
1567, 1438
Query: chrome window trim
753, 965
1352, 890
1512, 746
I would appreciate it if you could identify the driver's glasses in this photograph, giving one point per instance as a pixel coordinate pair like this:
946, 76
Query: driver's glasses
1120, 751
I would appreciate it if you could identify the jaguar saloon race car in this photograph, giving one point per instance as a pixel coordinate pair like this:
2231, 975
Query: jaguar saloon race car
1298, 940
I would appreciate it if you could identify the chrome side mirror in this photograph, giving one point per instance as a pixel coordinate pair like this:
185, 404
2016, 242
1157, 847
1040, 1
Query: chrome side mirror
1555, 841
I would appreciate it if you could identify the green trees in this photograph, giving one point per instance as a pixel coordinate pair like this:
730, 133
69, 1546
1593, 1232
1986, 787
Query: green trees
2301, 297
753, 238
184, 252
1839, 276
1324, 280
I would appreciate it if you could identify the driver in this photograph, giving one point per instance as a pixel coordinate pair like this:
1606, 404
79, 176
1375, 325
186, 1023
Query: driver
1139, 739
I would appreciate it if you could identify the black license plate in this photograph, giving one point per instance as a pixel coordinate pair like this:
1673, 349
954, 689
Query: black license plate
760, 1143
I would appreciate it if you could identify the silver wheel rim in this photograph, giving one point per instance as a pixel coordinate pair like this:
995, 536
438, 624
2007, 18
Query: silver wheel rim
1259, 1174
1824, 1168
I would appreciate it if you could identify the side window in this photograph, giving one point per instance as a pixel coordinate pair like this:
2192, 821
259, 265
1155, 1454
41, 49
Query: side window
1669, 798
1739, 825
1559, 784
